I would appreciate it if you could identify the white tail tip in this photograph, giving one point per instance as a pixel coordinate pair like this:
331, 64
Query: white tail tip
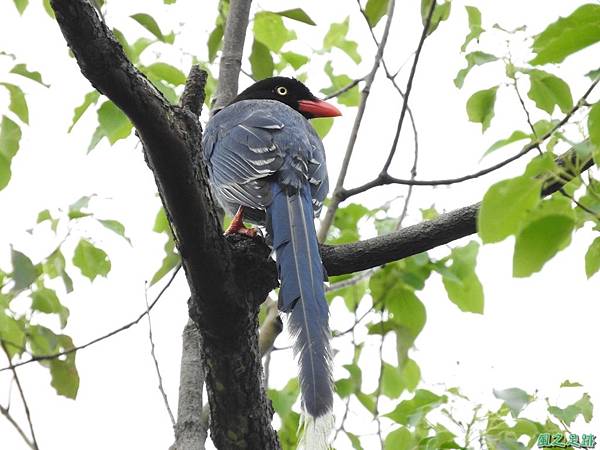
315, 432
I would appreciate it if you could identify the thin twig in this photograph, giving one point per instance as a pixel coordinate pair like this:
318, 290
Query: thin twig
532, 128
332, 208
380, 382
345, 88
384, 179
409, 84
392, 78
347, 405
4, 411
23, 399
101, 338
357, 278
153, 353
266, 367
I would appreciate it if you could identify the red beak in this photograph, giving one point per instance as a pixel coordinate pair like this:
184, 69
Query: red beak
318, 108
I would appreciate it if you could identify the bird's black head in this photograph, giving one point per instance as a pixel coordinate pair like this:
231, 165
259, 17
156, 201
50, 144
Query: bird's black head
291, 92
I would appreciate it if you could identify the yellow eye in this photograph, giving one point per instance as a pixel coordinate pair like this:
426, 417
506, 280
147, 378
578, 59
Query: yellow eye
282, 90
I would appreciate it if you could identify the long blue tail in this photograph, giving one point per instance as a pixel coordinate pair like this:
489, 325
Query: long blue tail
290, 222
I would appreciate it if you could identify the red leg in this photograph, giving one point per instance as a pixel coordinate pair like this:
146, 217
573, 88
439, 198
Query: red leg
237, 225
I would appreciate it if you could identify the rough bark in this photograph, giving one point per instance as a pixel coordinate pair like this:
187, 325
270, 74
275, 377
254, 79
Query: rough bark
224, 301
189, 432
233, 50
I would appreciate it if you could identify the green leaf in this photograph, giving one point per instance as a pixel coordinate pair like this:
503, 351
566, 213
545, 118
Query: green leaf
480, 107
473, 59
297, 14
399, 439
171, 258
113, 123
440, 13
138, 48
411, 375
336, 37
504, 207
375, 10
568, 35
391, 381
592, 258
11, 333
270, 30
548, 91
516, 135
24, 272
115, 226
261, 61
167, 73
65, 379
21, 5
49, 9
161, 223
21, 69
55, 266
5, 172
215, 41
514, 398
169, 262
284, 399
322, 125
76, 208
355, 440
148, 22
593, 74
460, 280
410, 412
91, 260
91, 98
294, 59
568, 415
475, 28
368, 401
346, 219
568, 384
349, 98
594, 124
17, 104
539, 241
42, 340
45, 300
10, 136
96, 138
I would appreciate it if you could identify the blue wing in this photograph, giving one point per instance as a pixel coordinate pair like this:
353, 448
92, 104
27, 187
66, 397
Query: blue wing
254, 142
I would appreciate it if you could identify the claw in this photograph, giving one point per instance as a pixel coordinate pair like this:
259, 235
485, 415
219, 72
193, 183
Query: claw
237, 225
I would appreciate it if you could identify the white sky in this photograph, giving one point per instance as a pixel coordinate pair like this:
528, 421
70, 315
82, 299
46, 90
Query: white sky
535, 332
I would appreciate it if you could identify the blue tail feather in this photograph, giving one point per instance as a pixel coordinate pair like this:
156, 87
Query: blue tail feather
290, 223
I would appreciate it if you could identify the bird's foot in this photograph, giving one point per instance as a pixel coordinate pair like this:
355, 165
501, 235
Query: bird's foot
237, 225
246, 231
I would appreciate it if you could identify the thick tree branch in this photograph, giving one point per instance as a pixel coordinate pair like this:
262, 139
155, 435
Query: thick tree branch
348, 258
190, 432
223, 290
233, 50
